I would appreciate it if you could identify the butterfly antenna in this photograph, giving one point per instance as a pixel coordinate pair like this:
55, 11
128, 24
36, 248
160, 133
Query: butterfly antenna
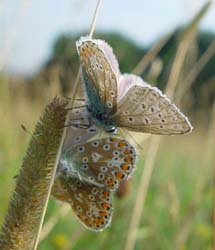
131, 137
77, 107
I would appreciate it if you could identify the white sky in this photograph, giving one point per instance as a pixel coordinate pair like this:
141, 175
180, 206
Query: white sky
28, 28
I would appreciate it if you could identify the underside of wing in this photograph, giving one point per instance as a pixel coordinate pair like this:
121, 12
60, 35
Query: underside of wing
104, 162
91, 204
100, 72
143, 108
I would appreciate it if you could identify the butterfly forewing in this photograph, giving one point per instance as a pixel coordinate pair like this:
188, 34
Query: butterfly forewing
99, 76
91, 204
143, 108
104, 162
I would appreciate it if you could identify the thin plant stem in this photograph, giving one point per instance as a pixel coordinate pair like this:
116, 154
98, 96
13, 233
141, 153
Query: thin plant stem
36, 242
196, 69
150, 55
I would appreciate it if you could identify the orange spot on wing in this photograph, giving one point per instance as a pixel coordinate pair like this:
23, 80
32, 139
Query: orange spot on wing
119, 175
106, 194
127, 152
106, 206
128, 159
110, 182
103, 213
124, 166
121, 144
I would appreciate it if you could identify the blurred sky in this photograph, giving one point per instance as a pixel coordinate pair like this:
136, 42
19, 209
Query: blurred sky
28, 28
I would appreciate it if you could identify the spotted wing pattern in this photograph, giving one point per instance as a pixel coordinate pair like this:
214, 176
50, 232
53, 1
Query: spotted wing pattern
103, 162
90, 203
100, 72
144, 108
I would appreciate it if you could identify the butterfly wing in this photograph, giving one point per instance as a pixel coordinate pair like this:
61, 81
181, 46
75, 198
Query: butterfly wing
100, 72
91, 204
80, 129
103, 162
143, 108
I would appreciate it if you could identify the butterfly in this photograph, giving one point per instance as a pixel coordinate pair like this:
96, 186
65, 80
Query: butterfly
124, 100
90, 170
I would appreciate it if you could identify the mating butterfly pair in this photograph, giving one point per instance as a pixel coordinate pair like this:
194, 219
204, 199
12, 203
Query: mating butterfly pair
90, 170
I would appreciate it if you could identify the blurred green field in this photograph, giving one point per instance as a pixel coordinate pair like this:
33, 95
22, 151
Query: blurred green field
178, 207
178, 211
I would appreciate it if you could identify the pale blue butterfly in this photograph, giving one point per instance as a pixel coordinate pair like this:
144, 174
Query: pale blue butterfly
116, 100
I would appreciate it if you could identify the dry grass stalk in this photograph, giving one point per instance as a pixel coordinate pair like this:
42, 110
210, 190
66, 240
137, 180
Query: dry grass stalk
173, 80
150, 56
33, 180
196, 69
73, 94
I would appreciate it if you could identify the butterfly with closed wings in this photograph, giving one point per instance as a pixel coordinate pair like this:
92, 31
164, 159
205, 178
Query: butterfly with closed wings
90, 170
125, 100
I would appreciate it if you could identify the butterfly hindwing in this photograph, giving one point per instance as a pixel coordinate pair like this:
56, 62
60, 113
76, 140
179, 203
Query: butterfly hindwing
99, 75
143, 108
104, 162
91, 204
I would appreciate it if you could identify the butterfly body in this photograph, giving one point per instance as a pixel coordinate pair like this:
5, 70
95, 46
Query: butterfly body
125, 100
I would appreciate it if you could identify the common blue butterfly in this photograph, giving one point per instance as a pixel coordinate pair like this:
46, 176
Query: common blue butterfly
90, 170
116, 100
